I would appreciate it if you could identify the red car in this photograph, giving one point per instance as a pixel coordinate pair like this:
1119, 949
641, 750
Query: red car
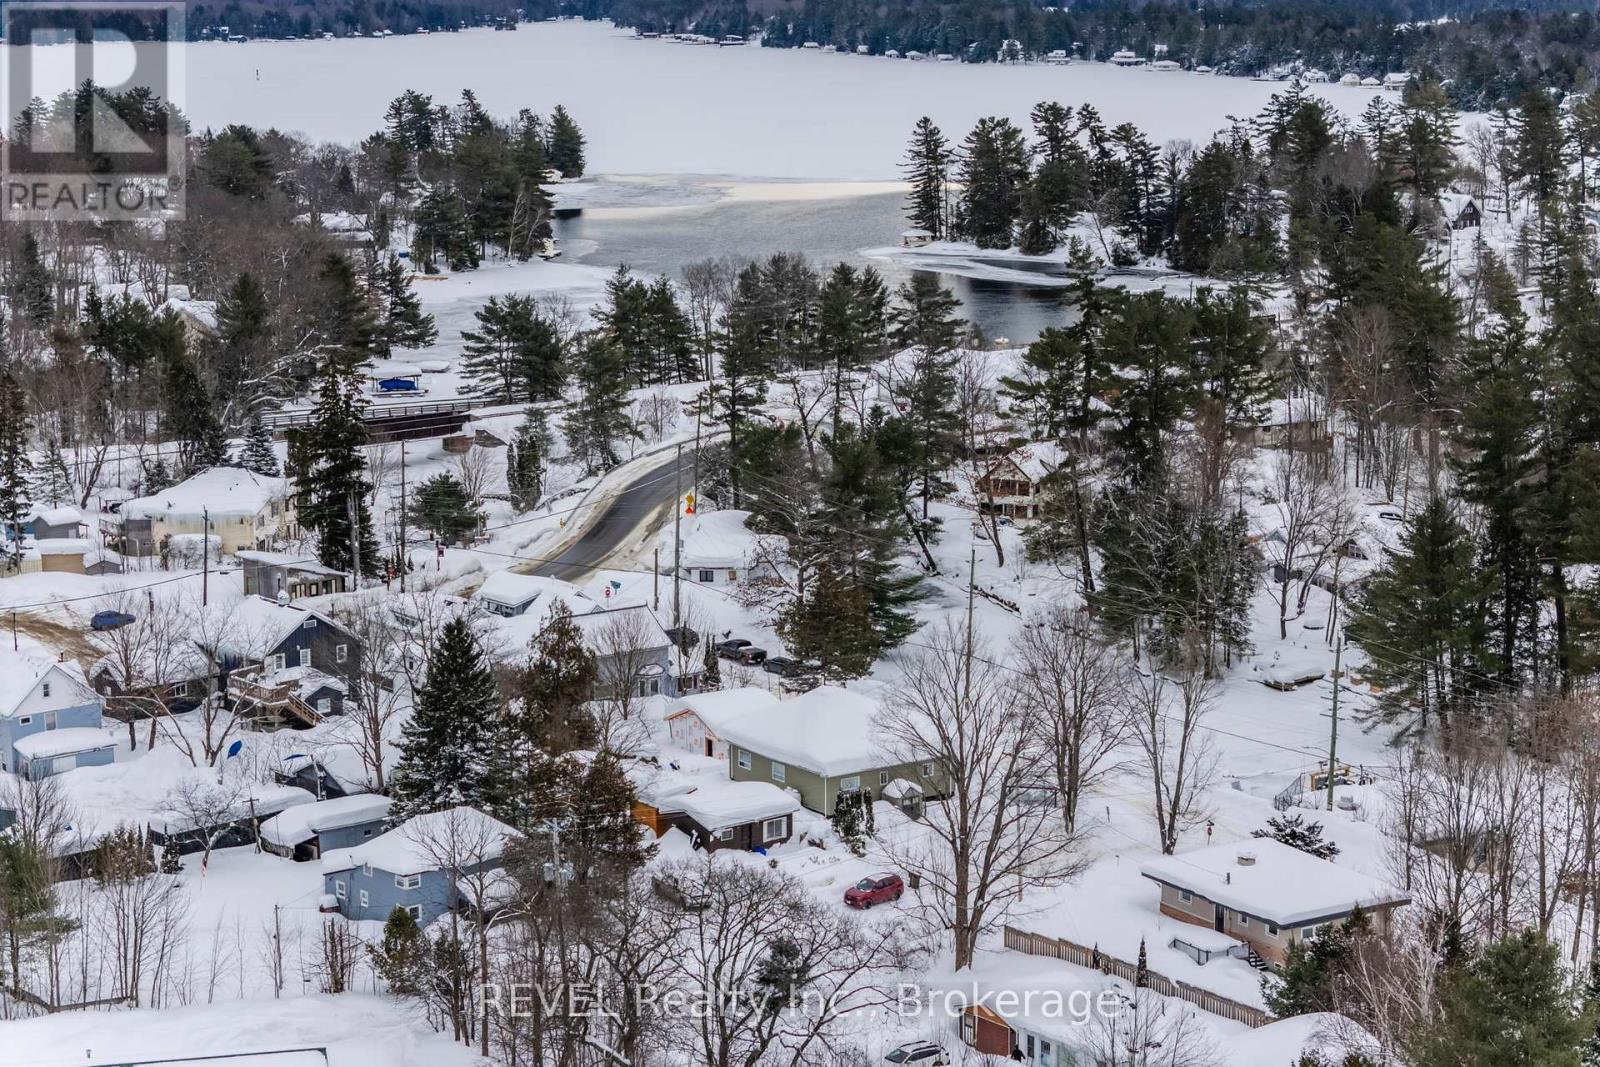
877, 889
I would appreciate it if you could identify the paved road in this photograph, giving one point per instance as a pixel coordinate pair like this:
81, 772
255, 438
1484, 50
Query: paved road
634, 510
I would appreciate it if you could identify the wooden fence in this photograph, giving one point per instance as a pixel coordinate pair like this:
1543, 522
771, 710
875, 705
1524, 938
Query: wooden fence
1057, 949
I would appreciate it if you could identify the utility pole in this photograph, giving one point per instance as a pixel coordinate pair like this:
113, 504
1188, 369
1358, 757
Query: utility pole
655, 581
972, 592
1333, 738
355, 539
677, 539
205, 554
404, 558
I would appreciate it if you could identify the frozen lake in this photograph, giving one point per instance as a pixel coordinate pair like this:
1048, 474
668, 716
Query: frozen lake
657, 107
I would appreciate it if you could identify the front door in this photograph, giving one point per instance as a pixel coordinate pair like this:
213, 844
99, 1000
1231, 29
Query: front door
1220, 915
708, 747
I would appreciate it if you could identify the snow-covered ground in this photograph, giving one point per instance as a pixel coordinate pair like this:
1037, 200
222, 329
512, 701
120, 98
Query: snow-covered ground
654, 107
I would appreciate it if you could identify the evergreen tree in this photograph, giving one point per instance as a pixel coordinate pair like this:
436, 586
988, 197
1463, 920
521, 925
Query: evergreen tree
564, 150
1141, 968
453, 742
848, 822
994, 174
925, 321
927, 171
831, 622
548, 713
1589, 1050
600, 418
1427, 138
440, 506
1421, 613
171, 859
1145, 342
404, 324
440, 231
402, 957
242, 341
1294, 831
781, 977
258, 456
52, 481
525, 457
16, 466
1509, 1006
1309, 979
711, 668
33, 291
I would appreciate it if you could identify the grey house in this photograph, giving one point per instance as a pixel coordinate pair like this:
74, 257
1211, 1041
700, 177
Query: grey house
50, 719
288, 666
275, 574
634, 653
306, 832
428, 865
821, 745
167, 681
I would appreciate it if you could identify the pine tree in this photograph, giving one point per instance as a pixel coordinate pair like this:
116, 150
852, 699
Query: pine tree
1294, 831
601, 417
33, 292
564, 149
258, 456
925, 321
242, 341
994, 175
1589, 1050
927, 171
440, 231
402, 958
440, 506
711, 671
847, 822
551, 691
1314, 969
454, 740
781, 977
15, 465
525, 458
514, 355
52, 481
1510, 1005
832, 624
1141, 968
405, 324
1145, 343
171, 860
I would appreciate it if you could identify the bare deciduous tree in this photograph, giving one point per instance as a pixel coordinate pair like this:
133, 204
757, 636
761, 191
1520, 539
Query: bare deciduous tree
1166, 720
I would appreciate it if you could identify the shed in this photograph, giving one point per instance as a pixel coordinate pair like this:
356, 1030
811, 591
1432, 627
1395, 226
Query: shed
306, 831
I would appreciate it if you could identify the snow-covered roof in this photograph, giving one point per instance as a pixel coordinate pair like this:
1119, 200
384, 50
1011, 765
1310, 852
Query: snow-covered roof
1037, 459
223, 492
255, 625
899, 789
722, 706
715, 539
335, 221
520, 590
381, 369
62, 546
422, 843
828, 731
21, 673
256, 801
725, 804
1283, 885
202, 313
1293, 411
301, 824
601, 628
151, 664
1288, 1040
49, 743
56, 516
292, 560
1455, 203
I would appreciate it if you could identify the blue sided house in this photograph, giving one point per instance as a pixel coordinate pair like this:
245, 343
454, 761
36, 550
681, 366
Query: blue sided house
50, 718
428, 865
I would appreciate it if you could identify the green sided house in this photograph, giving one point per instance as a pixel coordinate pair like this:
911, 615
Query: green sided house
823, 744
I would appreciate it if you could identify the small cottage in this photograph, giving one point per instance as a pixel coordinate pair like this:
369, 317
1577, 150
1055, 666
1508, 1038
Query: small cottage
288, 575
739, 815
50, 718
235, 507
716, 548
1266, 894
1460, 211
418, 866
238, 825
307, 831
509, 594
1014, 484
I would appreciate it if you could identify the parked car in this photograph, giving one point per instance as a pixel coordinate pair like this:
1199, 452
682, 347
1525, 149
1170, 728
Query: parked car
110, 620
670, 887
729, 649
918, 1054
877, 889
750, 655
785, 667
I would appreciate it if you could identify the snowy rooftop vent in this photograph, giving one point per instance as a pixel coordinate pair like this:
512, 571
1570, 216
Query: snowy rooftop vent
1247, 858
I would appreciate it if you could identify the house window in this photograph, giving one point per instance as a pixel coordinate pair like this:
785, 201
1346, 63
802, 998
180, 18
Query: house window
774, 829
278, 661
180, 689
779, 773
324, 705
883, 778
1272, 928
51, 720
724, 834
366, 869
926, 770
1244, 920
363, 898
309, 624
341, 653
46, 689
305, 657
415, 911
851, 784
708, 576
733, 575
744, 758
26, 720
407, 881
1186, 896
339, 890
367, 832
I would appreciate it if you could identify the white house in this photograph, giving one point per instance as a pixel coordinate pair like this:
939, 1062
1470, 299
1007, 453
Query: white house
508, 594
695, 722
238, 508
718, 549
1012, 487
